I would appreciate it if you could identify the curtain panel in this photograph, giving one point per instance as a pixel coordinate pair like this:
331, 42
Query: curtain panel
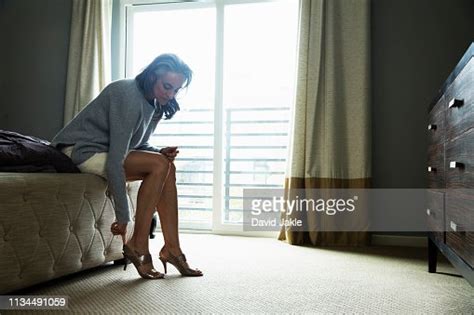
330, 134
89, 57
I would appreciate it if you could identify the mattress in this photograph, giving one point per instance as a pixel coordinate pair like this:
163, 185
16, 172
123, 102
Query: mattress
55, 224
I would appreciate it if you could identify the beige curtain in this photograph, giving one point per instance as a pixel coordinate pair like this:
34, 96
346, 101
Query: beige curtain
330, 145
89, 69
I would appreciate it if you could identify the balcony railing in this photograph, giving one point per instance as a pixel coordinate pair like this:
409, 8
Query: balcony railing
254, 153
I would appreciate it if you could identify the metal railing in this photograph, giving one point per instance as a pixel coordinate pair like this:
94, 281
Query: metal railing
190, 173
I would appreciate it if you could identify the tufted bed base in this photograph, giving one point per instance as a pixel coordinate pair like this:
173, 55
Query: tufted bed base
52, 225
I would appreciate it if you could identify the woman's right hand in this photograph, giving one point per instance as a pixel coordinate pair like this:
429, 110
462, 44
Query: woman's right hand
119, 229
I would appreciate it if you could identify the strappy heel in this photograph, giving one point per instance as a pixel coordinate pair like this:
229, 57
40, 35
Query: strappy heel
131, 256
181, 264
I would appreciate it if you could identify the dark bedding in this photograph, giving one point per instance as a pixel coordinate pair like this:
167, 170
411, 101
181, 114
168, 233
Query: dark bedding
21, 153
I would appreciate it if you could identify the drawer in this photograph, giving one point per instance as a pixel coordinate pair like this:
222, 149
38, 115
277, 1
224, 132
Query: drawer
460, 225
459, 162
436, 124
459, 100
435, 167
435, 214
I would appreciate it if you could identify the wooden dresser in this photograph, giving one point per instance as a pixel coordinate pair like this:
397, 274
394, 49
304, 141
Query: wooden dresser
450, 206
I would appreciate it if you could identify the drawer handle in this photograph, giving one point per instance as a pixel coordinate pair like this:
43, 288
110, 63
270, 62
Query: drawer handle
431, 127
430, 213
431, 169
453, 226
457, 228
454, 164
455, 103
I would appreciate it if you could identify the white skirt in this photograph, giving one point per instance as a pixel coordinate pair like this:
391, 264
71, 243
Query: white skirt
93, 165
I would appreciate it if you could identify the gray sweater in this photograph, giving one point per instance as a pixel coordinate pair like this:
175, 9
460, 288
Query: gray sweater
120, 119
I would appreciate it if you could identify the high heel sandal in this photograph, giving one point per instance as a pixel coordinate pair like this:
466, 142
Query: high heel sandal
180, 263
132, 256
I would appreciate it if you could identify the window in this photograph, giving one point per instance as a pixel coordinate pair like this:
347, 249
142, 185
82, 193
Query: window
232, 130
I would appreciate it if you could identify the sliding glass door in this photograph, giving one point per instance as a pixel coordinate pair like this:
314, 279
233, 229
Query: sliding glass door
232, 130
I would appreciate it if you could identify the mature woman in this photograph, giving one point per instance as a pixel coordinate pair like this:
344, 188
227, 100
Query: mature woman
110, 138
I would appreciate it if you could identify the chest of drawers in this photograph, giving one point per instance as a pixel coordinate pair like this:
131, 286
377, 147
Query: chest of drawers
450, 206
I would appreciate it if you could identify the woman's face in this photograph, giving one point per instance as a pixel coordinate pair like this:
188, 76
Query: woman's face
167, 86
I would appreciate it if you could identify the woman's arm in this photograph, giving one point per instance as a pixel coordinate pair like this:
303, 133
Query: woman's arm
122, 121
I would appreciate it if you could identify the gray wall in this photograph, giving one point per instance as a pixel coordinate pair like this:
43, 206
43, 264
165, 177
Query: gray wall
34, 39
415, 45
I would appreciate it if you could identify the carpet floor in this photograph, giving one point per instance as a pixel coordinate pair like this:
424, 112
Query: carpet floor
262, 275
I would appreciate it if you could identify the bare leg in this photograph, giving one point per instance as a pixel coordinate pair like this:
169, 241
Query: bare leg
167, 207
158, 189
153, 170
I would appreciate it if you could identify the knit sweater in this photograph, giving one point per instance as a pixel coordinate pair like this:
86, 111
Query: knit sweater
120, 119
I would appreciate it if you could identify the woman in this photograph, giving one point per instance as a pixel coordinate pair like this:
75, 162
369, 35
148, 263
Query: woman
109, 137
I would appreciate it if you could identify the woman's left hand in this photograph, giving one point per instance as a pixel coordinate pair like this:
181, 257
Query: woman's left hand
170, 152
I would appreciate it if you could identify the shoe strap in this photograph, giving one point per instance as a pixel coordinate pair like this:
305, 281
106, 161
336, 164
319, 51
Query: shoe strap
145, 259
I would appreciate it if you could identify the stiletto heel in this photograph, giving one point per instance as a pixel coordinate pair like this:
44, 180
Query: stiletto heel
163, 261
181, 264
126, 263
140, 260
